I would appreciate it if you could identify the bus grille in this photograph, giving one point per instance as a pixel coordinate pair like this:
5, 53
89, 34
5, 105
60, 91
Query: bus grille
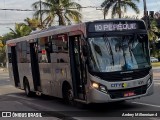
114, 94
117, 76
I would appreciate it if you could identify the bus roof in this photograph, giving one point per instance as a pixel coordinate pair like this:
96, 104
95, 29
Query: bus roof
54, 30
49, 32
116, 19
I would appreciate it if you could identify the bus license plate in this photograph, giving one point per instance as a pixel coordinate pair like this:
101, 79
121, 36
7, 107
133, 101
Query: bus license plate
130, 93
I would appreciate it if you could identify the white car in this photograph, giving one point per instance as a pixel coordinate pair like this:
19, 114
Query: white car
153, 59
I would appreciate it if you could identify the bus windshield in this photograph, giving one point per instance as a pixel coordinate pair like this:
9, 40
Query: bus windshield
119, 53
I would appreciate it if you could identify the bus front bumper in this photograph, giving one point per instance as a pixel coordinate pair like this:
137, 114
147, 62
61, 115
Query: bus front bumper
96, 96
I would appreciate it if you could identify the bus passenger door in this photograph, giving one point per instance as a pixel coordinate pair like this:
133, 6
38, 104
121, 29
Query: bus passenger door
77, 69
15, 66
35, 66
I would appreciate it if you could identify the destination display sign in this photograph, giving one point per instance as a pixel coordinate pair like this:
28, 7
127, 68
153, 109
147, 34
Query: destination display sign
111, 26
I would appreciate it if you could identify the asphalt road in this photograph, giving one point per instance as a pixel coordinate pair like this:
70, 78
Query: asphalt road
12, 99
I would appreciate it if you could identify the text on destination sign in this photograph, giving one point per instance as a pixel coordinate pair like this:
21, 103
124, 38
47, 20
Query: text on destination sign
114, 27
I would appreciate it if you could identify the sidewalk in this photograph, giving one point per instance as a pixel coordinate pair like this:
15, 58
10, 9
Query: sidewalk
156, 75
3, 70
156, 72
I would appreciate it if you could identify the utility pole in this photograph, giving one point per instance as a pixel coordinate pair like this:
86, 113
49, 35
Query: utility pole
145, 13
119, 5
41, 12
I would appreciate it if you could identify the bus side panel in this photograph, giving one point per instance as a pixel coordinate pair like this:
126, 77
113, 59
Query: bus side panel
62, 71
9, 64
11, 73
45, 70
25, 71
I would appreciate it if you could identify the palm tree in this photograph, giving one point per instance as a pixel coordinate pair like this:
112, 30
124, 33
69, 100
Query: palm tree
33, 23
2, 52
118, 7
152, 34
153, 29
21, 29
65, 10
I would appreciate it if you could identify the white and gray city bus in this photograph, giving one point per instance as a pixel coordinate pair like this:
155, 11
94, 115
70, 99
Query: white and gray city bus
93, 62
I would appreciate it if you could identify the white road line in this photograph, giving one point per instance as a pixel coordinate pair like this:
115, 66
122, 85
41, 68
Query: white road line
147, 104
4, 78
157, 83
154, 118
16, 96
156, 80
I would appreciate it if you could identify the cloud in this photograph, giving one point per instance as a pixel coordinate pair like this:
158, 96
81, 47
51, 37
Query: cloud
89, 14
9, 18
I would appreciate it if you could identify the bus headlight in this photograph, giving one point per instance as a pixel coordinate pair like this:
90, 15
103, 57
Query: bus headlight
95, 85
149, 82
99, 87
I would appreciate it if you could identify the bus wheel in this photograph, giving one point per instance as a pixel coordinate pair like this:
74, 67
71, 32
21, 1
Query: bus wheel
27, 88
68, 95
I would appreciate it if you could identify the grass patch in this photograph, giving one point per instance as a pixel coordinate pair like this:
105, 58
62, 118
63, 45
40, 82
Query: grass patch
155, 64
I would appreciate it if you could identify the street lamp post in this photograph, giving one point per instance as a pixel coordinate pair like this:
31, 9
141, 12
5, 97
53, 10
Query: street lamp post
119, 6
145, 13
41, 12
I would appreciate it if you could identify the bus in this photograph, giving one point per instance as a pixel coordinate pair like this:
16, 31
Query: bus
94, 62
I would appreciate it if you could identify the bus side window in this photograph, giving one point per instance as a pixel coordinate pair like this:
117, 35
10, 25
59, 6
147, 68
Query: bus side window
9, 55
28, 53
22, 52
45, 48
60, 48
60, 43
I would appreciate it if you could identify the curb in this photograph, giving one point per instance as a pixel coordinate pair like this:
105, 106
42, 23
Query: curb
3, 70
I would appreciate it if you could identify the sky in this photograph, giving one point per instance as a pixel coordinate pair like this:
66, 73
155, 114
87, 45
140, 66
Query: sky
9, 18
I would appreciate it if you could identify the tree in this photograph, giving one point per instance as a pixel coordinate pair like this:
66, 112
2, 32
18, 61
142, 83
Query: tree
131, 17
33, 23
65, 10
2, 52
153, 36
118, 7
7, 36
21, 29
152, 30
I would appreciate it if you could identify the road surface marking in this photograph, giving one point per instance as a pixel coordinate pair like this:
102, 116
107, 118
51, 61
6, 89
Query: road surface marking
20, 97
147, 104
157, 83
156, 80
154, 118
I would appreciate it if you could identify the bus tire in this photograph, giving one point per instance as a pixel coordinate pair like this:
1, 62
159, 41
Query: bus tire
27, 88
67, 94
